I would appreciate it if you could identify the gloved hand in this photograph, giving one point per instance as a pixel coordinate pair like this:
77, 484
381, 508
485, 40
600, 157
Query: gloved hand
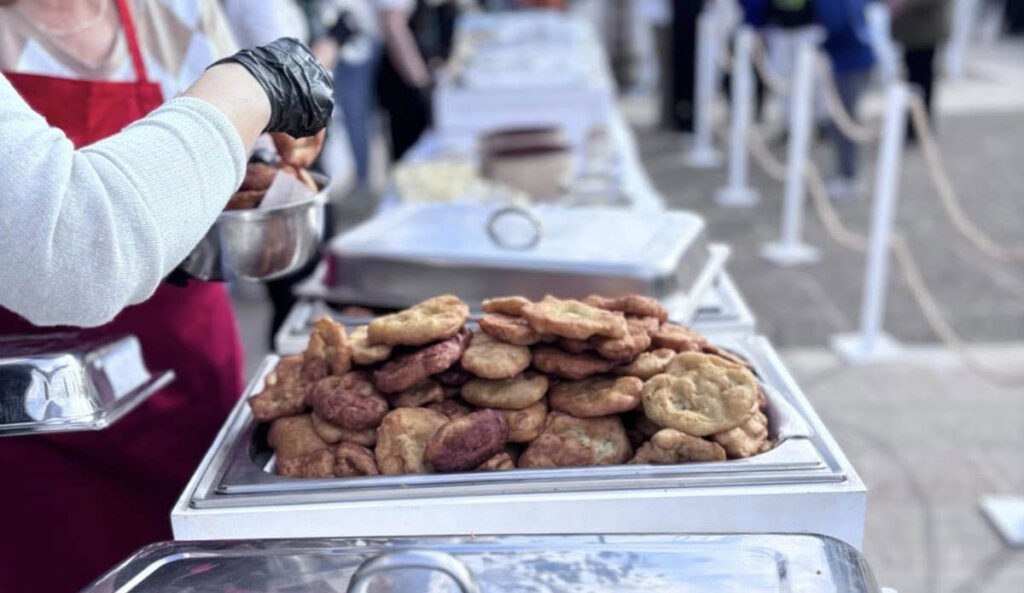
300, 90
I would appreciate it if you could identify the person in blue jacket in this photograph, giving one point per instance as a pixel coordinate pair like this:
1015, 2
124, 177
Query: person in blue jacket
847, 45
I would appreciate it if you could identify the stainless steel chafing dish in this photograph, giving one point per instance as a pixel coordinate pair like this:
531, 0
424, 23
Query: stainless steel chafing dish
62, 383
413, 252
803, 484
552, 564
721, 309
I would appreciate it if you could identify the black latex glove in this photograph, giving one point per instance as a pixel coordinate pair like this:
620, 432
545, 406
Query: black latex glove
300, 90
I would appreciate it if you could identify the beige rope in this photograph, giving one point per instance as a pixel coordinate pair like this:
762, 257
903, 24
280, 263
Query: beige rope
845, 122
947, 194
775, 82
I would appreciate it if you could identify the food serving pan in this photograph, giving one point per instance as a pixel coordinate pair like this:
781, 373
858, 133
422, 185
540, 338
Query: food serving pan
413, 252
62, 383
722, 309
764, 563
235, 492
261, 244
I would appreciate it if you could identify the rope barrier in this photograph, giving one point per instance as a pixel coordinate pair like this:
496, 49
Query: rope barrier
775, 82
844, 121
947, 193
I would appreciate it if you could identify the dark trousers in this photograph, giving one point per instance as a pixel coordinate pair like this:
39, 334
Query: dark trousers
408, 109
920, 65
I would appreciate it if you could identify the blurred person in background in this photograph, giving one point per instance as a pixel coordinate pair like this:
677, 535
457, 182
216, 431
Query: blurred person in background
259, 23
847, 43
920, 26
417, 37
90, 68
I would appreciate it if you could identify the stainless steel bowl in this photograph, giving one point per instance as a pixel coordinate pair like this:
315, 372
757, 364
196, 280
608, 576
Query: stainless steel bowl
260, 244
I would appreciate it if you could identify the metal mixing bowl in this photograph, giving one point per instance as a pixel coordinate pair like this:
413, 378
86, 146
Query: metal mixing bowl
260, 244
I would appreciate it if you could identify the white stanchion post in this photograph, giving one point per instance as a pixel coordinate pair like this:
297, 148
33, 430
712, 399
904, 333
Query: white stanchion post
879, 20
964, 14
738, 193
871, 344
790, 250
703, 153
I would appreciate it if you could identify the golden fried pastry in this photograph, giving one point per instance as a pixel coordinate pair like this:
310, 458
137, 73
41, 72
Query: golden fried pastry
409, 370
574, 346
488, 358
569, 441
284, 391
514, 393
511, 330
678, 338
316, 464
647, 364
510, 305
566, 365
246, 199
500, 462
421, 394
354, 460
526, 424
258, 176
349, 401
728, 355
639, 427
362, 352
596, 396
747, 439
669, 446
432, 320
333, 434
452, 408
402, 439
293, 436
455, 376
626, 348
328, 347
573, 319
700, 395
464, 443
633, 304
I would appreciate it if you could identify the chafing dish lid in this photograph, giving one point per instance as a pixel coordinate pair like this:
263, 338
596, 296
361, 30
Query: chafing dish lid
544, 564
601, 240
62, 382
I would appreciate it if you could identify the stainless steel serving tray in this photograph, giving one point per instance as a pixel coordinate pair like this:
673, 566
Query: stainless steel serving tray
240, 472
764, 563
413, 252
60, 383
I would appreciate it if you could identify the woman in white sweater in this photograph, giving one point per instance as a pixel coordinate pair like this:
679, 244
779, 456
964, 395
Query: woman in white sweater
92, 217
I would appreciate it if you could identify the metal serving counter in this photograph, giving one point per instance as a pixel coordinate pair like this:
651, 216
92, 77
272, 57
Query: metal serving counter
804, 484
551, 564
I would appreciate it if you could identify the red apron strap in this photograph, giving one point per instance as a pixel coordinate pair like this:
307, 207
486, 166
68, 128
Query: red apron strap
132, 39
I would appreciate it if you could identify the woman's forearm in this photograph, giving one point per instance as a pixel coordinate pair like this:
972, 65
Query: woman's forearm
231, 89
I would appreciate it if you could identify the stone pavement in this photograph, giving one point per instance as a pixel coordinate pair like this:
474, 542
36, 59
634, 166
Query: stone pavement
928, 438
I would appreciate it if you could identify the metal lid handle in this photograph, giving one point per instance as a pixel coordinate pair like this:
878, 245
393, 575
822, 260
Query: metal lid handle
424, 559
497, 215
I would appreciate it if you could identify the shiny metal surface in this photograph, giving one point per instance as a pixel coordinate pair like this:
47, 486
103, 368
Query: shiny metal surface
57, 383
260, 244
242, 470
421, 560
762, 563
413, 252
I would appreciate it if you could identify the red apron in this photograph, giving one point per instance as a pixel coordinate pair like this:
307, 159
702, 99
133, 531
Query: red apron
74, 505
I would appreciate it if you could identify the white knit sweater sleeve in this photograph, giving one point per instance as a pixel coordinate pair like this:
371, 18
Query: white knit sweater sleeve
85, 233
